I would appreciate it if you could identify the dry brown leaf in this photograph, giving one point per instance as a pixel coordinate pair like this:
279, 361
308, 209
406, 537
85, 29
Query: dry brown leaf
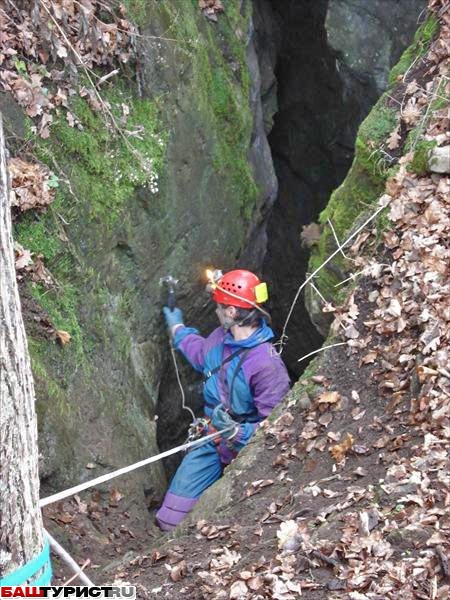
178, 571
310, 234
328, 398
339, 451
115, 497
62, 336
65, 518
394, 139
29, 185
238, 590
23, 257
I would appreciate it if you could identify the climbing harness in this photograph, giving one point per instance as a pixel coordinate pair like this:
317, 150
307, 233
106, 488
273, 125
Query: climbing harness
197, 429
215, 370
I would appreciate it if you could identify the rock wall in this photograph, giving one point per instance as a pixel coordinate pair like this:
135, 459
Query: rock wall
373, 164
113, 232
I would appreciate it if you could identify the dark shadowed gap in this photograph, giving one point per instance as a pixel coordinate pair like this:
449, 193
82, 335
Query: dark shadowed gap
314, 99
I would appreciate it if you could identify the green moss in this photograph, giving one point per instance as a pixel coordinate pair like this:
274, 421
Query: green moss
106, 166
36, 235
61, 305
361, 188
50, 393
372, 166
371, 139
422, 40
221, 82
420, 162
136, 11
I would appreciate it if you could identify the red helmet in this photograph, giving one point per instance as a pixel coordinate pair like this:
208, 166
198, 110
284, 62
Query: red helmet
240, 288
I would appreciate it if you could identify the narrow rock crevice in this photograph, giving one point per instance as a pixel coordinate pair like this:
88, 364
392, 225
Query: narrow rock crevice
309, 98
323, 65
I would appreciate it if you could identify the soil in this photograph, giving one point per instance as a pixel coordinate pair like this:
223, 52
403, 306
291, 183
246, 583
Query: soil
298, 483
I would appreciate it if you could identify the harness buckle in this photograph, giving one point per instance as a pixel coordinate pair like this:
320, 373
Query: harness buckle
197, 429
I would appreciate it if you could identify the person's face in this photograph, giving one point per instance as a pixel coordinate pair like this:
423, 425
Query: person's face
225, 314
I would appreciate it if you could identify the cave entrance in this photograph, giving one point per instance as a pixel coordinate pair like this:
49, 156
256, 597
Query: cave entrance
323, 65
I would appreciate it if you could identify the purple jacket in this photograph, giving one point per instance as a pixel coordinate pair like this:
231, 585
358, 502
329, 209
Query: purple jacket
249, 385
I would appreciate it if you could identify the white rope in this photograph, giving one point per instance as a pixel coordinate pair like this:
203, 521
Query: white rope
320, 350
283, 336
98, 480
56, 547
180, 385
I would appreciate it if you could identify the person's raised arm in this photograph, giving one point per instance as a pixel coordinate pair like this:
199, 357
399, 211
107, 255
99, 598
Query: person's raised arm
185, 339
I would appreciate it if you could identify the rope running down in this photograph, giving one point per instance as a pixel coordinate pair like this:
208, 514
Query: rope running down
103, 478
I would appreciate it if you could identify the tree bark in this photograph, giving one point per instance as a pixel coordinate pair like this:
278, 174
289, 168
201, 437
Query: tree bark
21, 527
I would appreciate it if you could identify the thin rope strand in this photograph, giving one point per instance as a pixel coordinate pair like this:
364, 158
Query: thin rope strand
180, 385
283, 336
78, 572
321, 349
108, 476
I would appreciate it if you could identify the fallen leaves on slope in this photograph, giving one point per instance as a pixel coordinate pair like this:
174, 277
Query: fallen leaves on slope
32, 185
44, 46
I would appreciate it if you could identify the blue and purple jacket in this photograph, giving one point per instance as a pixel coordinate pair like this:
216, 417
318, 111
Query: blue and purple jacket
258, 376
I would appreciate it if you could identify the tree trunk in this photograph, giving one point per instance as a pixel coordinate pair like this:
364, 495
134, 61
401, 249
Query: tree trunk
21, 528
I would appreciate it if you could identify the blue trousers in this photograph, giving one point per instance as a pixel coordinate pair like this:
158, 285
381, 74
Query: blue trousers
199, 469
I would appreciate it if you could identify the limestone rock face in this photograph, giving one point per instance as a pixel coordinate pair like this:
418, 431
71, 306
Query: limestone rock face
331, 60
99, 397
368, 38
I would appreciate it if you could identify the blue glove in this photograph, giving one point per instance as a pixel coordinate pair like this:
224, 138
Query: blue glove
173, 317
220, 419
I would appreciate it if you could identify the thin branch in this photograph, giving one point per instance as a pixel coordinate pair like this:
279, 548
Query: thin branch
86, 563
106, 110
283, 336
425, 116
106, 77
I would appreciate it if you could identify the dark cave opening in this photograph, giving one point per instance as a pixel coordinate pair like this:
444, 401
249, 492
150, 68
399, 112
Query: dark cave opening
314, 98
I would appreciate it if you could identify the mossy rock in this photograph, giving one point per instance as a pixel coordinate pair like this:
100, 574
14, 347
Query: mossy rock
169, 192
422, 40
373, 164
359, 191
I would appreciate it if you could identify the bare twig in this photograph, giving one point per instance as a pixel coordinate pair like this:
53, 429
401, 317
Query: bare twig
106, 77
283, 336
144, 164
86, 563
